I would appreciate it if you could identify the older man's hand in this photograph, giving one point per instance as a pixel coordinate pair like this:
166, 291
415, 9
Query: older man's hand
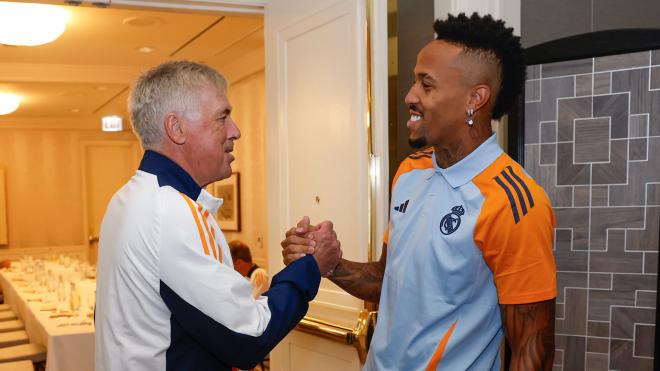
327, 251
320, 240
298, 241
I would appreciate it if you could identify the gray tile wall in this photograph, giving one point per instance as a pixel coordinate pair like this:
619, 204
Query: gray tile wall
592, 140
544, 20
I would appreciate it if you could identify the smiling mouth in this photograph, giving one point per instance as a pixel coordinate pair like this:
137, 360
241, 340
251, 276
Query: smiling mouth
415, 119
415, 115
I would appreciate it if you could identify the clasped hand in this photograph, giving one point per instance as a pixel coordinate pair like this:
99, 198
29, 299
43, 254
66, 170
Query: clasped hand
320, 241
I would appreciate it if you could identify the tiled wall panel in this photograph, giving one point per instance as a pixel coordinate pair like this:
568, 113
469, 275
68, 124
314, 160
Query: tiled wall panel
592, 139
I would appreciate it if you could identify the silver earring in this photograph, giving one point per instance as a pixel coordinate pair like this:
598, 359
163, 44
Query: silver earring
470, 117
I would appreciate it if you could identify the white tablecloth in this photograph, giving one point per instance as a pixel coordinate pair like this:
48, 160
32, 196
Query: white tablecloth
70, 347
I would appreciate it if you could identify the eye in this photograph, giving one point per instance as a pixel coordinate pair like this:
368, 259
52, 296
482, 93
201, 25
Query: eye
425, 85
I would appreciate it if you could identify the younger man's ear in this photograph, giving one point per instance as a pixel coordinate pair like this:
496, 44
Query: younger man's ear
479, 97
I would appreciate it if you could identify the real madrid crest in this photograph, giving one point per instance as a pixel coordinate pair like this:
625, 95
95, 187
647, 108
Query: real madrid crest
450, 222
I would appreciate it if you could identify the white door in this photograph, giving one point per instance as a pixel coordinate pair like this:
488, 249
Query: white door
318, 152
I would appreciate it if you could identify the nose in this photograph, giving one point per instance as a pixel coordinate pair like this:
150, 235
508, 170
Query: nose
234, 132
411, 96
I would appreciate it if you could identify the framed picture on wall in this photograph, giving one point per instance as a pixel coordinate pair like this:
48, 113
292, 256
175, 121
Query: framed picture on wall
228, 215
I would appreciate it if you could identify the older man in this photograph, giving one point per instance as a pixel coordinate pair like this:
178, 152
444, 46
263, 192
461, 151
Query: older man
468, 252
168, 297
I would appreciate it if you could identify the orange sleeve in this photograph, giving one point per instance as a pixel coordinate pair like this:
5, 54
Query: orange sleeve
386, 237
418, 160
515, 232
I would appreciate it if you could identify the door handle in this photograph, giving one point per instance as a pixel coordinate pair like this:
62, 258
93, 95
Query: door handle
92, 239
359, 337
364, 331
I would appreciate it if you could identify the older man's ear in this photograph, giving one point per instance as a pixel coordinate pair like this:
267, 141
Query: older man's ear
174, 128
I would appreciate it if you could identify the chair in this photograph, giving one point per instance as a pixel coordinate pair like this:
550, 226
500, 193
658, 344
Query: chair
8, 339
17, 366
25, 352
7, 315
12, 325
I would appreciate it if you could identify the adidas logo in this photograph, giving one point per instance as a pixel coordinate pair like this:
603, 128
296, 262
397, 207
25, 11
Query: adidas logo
402, 208
514, 188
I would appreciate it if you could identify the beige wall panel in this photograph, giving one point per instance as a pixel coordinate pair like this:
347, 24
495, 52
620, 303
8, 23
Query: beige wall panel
106, 167
247, 97
3, 209
43, 185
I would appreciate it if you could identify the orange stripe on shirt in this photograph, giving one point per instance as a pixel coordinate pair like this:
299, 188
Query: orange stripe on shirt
199, 225
217, 245
437, 356
418, 160
206, 226
409, 164
514, 231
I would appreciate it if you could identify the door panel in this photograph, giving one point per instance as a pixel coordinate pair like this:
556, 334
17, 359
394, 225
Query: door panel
308, 352
318, 152
3, 209
326, 156
107, 166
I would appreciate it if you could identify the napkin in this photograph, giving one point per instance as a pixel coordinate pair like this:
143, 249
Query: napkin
63, 314
48, 306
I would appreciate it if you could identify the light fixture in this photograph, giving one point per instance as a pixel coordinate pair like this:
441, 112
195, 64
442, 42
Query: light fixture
112, 123
9, 103
25, 24
145, 49
141, 21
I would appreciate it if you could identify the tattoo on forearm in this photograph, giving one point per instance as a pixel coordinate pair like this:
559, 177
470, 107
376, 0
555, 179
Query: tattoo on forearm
363, 280
530, 331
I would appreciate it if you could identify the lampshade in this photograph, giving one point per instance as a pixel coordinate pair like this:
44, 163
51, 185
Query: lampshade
27, 24
9, 103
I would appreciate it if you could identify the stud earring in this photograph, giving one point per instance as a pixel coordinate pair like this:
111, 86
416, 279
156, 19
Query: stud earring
470, 117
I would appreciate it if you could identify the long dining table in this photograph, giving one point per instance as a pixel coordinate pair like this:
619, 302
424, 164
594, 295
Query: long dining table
56, 315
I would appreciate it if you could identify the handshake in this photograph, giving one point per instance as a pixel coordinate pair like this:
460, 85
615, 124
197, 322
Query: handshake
320, 241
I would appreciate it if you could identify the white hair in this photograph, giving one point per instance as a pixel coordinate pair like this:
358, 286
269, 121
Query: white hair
168, 87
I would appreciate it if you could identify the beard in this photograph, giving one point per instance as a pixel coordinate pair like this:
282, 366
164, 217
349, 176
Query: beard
417, 142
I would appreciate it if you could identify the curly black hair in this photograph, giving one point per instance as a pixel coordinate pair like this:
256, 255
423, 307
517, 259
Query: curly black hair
489, 37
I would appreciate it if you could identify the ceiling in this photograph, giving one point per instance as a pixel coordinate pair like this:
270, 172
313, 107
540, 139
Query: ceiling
86, 73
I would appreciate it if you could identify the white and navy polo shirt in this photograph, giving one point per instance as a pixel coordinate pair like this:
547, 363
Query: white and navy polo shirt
461, 241
168, 297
